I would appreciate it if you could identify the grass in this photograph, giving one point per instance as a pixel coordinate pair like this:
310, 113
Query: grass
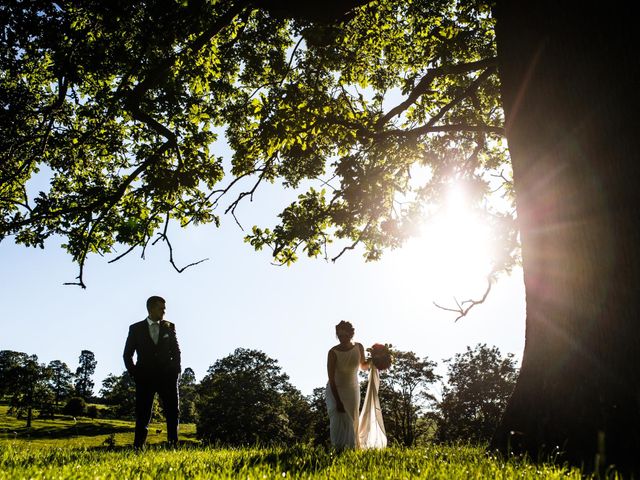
66, 449
435, 462
81, 432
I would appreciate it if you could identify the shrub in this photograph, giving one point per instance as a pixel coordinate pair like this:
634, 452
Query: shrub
75, 406
92, 411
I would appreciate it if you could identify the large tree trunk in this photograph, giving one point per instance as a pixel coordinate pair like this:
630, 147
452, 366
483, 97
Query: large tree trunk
570, 83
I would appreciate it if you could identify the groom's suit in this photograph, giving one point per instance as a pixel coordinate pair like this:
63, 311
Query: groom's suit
156, 370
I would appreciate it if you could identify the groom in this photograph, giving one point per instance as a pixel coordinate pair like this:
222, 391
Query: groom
156, 370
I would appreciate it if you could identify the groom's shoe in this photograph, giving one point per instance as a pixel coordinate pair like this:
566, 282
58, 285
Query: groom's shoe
140, 437
139, 441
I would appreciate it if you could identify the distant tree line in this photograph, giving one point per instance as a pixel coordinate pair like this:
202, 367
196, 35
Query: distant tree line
245, 398
46, 388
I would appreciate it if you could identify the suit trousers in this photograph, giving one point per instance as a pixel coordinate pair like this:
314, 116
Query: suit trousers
167, 390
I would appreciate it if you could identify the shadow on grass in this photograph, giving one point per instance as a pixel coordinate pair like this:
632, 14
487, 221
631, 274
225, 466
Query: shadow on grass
70, 431
294, 459
182, 445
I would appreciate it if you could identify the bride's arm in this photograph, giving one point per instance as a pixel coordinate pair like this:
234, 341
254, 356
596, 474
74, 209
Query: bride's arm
331, 370
364, 363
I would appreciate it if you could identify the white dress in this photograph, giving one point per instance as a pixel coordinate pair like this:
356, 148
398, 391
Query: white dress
343, 426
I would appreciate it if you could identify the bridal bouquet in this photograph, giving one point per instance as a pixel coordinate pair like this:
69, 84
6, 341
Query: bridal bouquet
381, 355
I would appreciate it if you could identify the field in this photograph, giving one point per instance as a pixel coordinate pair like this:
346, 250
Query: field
100, 449
65, 431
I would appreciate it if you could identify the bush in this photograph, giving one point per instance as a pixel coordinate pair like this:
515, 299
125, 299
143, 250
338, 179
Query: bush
92, 411
75, 406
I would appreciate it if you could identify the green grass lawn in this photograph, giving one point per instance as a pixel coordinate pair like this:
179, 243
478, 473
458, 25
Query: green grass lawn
81, 432
66, 449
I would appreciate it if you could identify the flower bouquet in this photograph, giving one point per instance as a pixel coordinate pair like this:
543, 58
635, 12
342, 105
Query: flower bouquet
381, 355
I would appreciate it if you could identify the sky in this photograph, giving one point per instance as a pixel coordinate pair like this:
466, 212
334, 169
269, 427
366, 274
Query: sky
237, 298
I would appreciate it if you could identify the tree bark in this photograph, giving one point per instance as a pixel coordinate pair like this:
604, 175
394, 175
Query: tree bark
570, 79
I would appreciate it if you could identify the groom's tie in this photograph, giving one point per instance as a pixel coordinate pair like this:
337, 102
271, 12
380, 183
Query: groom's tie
155, 332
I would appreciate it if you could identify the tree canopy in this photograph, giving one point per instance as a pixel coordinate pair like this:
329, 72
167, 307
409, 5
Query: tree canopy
120, 108
404, 396
25, 380
86, 368
480, 382
61, 381
119, 392
245, 399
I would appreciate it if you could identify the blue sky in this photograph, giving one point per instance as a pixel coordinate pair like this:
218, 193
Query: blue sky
238, 299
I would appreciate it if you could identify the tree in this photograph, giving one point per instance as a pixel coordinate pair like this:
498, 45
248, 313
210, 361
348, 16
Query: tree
86, 368
75, 406
117, 101
299, 414
569, 91
142, 118
320, 417
92, 412
25, 381
119, 392
245, 399
188, 395
404, 395
61, 380
479, 384
10, 362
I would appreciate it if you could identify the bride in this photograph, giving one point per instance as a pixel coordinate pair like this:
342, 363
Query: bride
343, 395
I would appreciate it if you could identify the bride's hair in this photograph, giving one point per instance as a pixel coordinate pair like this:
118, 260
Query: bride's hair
345, 326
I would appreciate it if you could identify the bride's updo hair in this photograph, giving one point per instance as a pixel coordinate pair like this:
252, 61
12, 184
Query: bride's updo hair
345, 327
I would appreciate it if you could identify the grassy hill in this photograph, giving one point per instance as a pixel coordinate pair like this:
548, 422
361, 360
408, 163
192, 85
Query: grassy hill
81, 432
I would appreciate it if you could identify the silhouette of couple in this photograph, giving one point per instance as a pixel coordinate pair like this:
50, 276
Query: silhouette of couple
156, 369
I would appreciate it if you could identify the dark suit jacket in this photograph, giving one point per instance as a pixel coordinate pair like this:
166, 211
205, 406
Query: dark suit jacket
161, 361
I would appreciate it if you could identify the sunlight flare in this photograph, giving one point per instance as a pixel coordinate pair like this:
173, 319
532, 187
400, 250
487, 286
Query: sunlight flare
453, 251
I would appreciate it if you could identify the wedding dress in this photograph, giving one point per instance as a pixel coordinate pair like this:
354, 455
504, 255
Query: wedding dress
351, 429
343, 426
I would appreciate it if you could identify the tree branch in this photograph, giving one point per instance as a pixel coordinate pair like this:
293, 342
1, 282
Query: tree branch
425, 129
461, 309
425, 82
132, 101
111, 202
160, 70
284, 77
505, 181
354, 244
163, 236
468, 91
63, 86
134, 97
232, 207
